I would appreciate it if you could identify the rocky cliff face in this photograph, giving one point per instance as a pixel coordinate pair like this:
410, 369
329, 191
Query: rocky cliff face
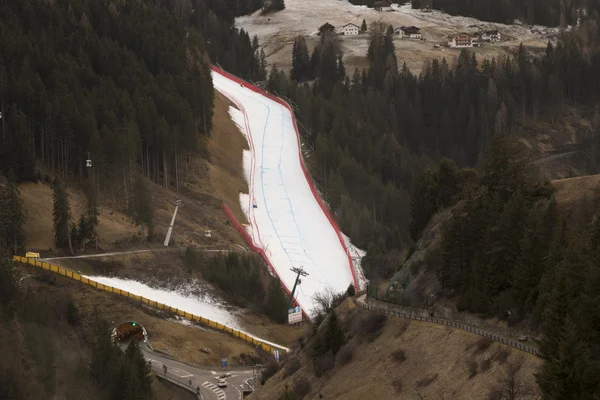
416, 283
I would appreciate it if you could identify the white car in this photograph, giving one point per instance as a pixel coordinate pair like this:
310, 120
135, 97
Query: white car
222, 383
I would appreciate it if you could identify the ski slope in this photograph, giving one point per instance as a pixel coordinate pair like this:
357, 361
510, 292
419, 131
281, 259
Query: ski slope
286, 220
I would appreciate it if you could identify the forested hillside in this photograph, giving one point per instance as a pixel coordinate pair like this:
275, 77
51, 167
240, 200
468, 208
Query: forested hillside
128, 83
505, 248
51, 351
538, 12
374, 131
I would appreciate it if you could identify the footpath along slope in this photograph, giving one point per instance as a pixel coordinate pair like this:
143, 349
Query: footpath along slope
288, 223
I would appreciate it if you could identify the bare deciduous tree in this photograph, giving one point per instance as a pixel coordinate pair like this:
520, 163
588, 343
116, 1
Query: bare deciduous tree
510, 386
325, 301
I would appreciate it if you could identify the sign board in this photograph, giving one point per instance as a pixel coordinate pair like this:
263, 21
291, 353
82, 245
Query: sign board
223, 363
294, 315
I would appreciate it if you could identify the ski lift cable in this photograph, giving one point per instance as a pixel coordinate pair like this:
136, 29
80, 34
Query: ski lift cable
67, 141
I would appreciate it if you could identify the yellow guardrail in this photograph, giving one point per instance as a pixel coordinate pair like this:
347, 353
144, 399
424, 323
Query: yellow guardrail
204, 321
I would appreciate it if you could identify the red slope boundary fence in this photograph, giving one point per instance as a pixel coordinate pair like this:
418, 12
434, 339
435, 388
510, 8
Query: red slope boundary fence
258, 250
304, 170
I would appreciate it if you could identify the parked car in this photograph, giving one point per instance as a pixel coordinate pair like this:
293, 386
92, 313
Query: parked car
222, 383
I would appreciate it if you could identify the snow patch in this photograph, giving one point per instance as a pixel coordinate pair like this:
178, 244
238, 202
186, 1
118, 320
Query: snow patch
204, 306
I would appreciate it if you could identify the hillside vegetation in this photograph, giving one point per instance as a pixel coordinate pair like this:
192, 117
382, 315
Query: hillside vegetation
538, 12
125, 83
393, 358
52, 350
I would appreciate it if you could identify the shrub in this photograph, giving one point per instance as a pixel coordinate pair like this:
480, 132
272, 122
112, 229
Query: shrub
345, 354
399, 355
322, 364
426, 381
72, 313
402, 328
501, 356
480, 345
472, 368
269, 370
486, 364
397, 385
301, 387
350, 291
369, 324
291, 367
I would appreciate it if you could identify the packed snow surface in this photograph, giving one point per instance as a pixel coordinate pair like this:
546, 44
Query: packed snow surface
203, 307
285, 218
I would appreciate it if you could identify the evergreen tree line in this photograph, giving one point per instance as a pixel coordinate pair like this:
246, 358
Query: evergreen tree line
119, 81
373, 132
508, 252
122, 375
244, 279
43, 337
538, 12
129, 83
69, 234
12, 219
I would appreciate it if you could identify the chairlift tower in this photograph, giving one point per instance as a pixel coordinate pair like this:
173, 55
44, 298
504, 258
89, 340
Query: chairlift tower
177, 204
299, 271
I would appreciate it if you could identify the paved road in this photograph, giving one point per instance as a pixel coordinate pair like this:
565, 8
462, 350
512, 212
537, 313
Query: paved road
119, 253
205, 379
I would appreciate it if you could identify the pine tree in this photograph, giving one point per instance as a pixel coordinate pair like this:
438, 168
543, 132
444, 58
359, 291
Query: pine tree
531, 263
571, 374
423, 202
341, 68
363, 26
12, 219
9, 291
300, 60
276, 302
334, 337
140, 209
61, 216
91, 215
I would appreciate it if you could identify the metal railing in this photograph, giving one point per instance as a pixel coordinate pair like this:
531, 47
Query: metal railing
423, 315
196, 391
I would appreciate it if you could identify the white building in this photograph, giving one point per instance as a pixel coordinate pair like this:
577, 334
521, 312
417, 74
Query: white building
491, 36
461, 40
350, 30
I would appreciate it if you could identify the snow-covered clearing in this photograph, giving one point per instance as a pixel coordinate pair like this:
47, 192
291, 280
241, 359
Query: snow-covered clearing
287, 222
276, 31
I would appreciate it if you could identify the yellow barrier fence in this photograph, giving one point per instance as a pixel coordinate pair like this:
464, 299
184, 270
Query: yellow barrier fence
151, 303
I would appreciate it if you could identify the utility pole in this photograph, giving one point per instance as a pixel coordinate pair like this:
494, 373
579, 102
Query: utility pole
298, 271
177, 204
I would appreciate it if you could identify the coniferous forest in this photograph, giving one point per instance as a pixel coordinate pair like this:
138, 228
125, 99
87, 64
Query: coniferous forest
127, 84
375, 136
538, 12
375, 131
130, 83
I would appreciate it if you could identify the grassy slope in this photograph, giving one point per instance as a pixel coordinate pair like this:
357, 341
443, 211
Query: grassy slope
431, 350
182, 341
435, 366
216, 182
221, 180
